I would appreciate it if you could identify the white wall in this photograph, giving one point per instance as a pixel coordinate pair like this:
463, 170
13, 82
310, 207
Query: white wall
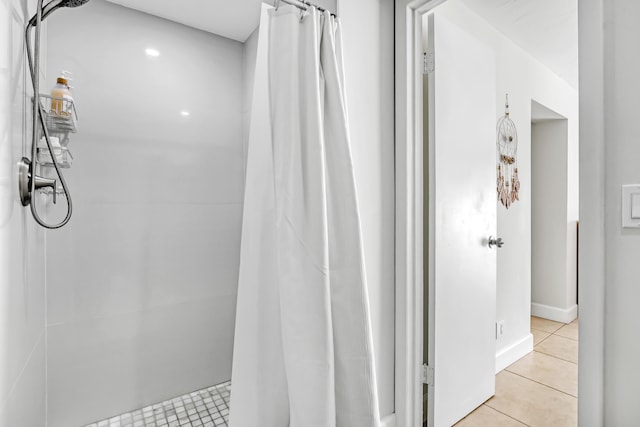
525, 79
22, 250
622, 246
609, 268
142, 282
553, 275
592, 263
367, 32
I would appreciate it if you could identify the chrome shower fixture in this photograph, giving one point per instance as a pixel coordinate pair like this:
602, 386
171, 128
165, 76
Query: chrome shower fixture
54, 5
73, 3
28, 181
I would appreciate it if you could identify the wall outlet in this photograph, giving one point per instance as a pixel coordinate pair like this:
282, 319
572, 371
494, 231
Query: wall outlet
499, 329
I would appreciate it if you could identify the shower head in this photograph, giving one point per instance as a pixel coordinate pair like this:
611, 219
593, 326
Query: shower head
73, 3
55, 5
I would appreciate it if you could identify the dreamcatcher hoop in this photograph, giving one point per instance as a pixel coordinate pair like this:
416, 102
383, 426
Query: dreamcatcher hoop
508, 184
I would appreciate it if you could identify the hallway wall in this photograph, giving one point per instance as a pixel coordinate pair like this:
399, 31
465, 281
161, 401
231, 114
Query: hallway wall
553, 272
524, 79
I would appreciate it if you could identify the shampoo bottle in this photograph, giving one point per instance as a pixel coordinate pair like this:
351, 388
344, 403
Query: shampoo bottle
61, 94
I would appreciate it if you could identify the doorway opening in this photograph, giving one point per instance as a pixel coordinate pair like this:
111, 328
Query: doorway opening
554, 231
445, 154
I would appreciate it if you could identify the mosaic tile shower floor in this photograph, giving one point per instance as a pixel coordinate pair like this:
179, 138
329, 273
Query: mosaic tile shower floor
204, 408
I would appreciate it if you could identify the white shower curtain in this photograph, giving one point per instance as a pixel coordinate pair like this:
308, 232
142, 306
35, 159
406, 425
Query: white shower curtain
303, 352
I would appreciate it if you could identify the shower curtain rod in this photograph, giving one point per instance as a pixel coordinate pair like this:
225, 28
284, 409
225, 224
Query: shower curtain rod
303, 5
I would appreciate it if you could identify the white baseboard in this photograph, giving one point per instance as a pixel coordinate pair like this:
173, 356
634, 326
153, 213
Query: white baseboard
515, 351
564, 315
388, 421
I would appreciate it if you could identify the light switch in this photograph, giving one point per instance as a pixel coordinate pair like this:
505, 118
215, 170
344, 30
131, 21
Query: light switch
631, 206
635, 206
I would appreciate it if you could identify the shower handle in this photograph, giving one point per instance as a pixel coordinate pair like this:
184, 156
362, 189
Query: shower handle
24, 168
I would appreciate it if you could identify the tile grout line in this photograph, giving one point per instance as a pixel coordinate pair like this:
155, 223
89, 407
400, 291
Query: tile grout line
557, 357
554, 334
551, 355
505, 414
534, 347
562, 336
548, 332
178, 408
545, 320
573, 398
543, 384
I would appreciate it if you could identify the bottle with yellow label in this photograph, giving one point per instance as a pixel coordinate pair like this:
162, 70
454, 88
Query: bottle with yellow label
62, 98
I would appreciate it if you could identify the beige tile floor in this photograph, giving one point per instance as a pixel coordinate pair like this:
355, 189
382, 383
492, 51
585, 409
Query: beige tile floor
541, 389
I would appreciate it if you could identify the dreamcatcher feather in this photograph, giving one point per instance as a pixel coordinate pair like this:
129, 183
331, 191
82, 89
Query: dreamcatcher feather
508, 184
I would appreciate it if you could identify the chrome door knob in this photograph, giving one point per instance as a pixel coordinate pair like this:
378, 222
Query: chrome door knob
495, 242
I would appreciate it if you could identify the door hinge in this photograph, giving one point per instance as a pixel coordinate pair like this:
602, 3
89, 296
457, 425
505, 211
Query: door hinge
427, 375
429, 64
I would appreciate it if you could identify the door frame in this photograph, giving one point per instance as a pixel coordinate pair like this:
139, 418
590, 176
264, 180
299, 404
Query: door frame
409, 196
592, 269
408, 228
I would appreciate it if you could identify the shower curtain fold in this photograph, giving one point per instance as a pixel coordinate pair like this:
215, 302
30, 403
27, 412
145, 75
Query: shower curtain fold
303, 353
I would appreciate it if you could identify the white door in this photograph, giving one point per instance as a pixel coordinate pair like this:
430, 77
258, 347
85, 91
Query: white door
462, 206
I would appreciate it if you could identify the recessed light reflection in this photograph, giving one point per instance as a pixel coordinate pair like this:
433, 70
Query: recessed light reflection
152, 52
185, 113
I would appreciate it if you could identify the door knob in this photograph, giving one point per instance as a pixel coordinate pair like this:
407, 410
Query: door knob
495, 242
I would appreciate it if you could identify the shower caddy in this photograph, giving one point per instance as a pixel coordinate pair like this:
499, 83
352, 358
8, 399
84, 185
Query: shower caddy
60, 124
61, 120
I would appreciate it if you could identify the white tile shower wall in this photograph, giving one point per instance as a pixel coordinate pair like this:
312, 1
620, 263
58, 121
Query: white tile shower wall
22, 248
142, 283
249, 54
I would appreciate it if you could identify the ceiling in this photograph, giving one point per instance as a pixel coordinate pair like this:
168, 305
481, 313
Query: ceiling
234, 19
546, 29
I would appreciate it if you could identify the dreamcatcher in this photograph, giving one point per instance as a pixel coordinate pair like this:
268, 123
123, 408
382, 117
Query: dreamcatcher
507, 146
